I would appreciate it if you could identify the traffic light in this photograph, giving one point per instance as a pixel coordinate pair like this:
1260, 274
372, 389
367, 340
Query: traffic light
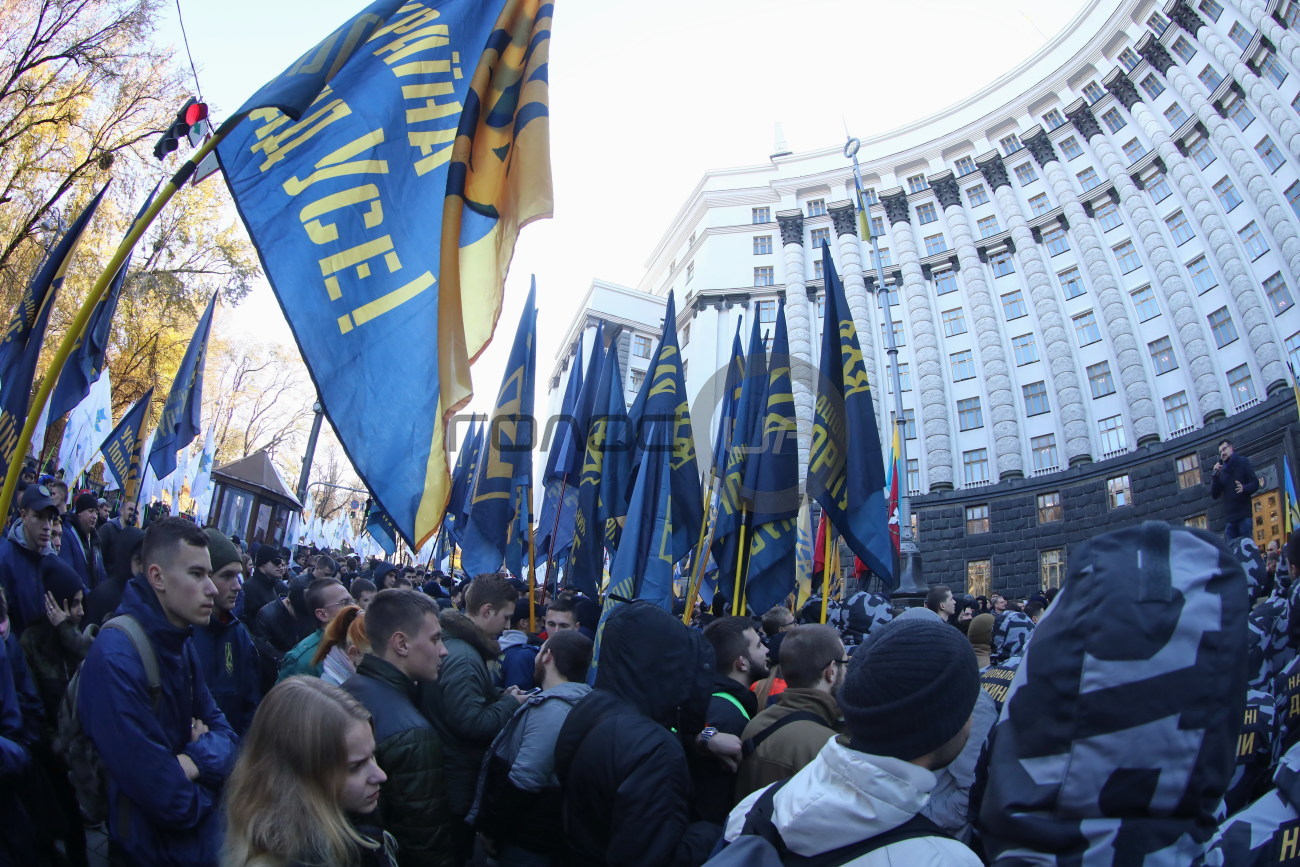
192, 114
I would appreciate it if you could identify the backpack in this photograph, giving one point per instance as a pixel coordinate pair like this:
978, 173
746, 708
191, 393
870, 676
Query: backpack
760, 843
85, 768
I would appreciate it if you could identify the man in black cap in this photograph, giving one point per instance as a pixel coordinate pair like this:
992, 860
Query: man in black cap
80, 545
21, 551
907, 700
265, 585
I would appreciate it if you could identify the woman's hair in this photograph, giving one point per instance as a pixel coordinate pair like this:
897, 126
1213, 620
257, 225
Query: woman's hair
282, 799
348, 624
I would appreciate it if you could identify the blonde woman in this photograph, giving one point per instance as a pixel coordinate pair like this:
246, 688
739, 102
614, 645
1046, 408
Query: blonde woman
305, 784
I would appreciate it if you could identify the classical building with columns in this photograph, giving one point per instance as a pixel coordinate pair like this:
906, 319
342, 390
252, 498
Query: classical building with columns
1090, 266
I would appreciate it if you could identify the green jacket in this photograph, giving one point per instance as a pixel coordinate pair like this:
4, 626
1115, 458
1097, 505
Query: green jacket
298, 660
466, 705
785, 753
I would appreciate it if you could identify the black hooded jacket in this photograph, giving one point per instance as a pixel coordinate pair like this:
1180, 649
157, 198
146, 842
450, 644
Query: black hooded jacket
624, 772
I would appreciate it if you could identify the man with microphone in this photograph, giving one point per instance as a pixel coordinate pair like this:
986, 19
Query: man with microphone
1235, 479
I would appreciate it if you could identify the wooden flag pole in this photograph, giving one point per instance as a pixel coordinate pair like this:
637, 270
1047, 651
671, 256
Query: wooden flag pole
826, 571
701, 552
740, 559
97, 293
532, 567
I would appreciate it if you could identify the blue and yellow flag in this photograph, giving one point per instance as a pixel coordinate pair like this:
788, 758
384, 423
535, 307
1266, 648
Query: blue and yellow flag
745, 439
1291, 513
462, 481
20, 346
506, 465
381, 529
381, 175
181, 415
86, 363
730, 399
773, 485
848, 481
563, 456
122, 448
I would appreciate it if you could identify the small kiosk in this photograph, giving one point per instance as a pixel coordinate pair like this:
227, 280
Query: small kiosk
252, 501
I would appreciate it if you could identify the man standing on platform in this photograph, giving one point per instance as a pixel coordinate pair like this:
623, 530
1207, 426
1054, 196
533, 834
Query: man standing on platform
1234, 478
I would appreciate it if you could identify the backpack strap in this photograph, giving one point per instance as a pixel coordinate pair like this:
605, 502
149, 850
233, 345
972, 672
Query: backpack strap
797, 716
731, 698
144, 648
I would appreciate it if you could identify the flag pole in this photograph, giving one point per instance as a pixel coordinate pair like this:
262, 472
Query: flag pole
532, 565
826, 571
701, 552
97, 293
740, 559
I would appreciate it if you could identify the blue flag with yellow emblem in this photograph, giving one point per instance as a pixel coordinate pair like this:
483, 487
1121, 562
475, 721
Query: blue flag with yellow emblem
491, 536
560, 478
744, 443
182, 414
382, 174
848, 481
122, 448
462, 482
20, 346
381, 529
730, 399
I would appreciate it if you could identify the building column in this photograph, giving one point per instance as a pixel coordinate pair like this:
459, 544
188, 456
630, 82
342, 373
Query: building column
861, 301
799, 327
1277, 33
1058, 346
932, 408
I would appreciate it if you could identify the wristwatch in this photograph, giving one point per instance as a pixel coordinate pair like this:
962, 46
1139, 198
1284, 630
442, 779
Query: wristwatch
705, 736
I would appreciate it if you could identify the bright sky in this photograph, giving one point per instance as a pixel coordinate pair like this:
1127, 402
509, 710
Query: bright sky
646, 98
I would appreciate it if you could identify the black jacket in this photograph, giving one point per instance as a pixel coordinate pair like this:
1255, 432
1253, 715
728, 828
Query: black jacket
258, 590
413, 801
714, 782
627, 788
1236, 507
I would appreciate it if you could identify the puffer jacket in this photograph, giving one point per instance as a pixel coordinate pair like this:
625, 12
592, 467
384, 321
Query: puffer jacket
465, 704
413, 800
20, 574
844, 797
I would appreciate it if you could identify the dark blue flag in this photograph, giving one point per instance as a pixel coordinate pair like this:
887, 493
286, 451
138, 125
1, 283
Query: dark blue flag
745, 440
848, 480
381, 177
381, 529
730, 401
560, 492
20, 346
506, 465
180, 421
462, 481
86, 362
122, 448
773, 485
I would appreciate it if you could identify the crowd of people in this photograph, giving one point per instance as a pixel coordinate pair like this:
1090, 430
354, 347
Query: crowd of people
206, 702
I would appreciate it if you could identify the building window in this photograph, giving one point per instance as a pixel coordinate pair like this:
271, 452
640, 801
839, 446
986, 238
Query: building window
637, 378
1183, 49
764, 275
1253, 240
690, 271
1119, 491
1043, 449
1039, 205
975, 466
964, 166
1126, 257
1211, 78
1221, 325
1178, 412
1092, 92
1200, 152
904, 377
1293, 350
954, 322
1010, 144
1175, 115
987, 226
1227, 193
1188, 468
1239, 35
1025, 349
1051, 563
917, 183
1162, 355
977, 519
1202, 275
819, 237
1144, 301
766, 312
1196, 522
686, 337
1293, 197
1179, 229
1239, 114
963, 365
1114, 120
945, 282
1057, 241
898, 334
1049, 507
641, 346
1295, 103
1278, 295
1025, 174
763, 245
1153, 86
1108, 216
1129, 59
1272, 70
818, 267
1001, 263
1085, 326
817, 208
1013, 304
1035, 394
877, 226
909, 424
935, 244
1099, 379
886, 258
1088, 178
1269, 154
1158, 187
1070, 147
1071, 283
913, 481
1112, 434
1241, 385
869, 195
925, 213
1134, 150
1211, 8
969, 416
979, 574
1053, 119
761, 215
977, 195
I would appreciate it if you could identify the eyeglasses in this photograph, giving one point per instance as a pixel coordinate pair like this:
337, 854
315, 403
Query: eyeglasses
276, 561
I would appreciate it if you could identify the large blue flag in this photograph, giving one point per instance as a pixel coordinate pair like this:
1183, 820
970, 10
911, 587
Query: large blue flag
20, 346
772, 485
560, 494
744, 441
86, 363
462, 481
381, 529
848, 480
122, 448
730, 400
381, 176
506, 465
182, 414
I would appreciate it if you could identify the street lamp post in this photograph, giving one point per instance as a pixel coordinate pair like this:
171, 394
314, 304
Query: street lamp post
311, 451
910, 585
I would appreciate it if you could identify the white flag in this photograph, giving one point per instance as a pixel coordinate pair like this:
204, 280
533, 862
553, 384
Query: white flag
201, 476
89, 424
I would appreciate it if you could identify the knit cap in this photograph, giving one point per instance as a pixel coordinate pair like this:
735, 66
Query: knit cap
60, 578
264, 555
909, 689
221, 549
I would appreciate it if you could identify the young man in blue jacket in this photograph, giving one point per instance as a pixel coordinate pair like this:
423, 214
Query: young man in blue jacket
166, 756
231, 665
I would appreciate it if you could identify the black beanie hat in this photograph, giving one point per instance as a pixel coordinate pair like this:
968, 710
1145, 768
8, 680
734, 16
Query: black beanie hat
265, 554
909, 689
60, 578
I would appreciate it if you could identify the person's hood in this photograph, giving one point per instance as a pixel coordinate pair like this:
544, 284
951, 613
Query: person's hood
123, 547
142, 603
841, 797
654, 662
980, 631
457, 625
18, 535
512, 638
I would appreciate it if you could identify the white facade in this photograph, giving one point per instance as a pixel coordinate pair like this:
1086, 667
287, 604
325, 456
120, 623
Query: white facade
1097, 252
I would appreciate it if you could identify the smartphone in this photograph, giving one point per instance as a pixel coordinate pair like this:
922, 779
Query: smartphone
534, 691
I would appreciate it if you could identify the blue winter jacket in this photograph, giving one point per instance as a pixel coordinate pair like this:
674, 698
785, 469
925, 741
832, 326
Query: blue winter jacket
232, 669
20, 573
83, 556
157, 815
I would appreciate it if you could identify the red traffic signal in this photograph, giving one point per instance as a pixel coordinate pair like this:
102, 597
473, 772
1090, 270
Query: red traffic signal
193, 112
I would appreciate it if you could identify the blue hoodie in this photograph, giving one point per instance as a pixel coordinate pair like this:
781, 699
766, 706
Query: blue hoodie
157, 815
